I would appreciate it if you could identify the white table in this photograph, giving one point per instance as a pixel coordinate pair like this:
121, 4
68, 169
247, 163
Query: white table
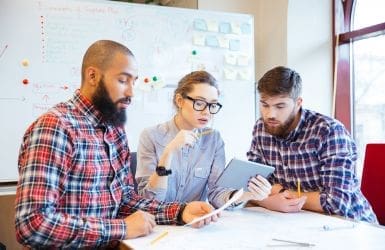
254, 228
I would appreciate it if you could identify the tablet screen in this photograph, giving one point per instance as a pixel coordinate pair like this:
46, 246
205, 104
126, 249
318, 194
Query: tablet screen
238, 172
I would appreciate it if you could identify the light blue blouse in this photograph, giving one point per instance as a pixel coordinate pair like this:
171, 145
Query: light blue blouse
194, 169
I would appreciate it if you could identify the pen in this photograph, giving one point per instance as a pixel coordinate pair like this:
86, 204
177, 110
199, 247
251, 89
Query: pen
303, 244
331, 228
162, 235
206, 132
2, 52
299, 187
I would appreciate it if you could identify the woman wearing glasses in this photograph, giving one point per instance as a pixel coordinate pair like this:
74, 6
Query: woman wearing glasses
181, 159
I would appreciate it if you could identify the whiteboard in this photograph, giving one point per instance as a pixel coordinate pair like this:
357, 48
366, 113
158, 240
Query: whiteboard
42, 44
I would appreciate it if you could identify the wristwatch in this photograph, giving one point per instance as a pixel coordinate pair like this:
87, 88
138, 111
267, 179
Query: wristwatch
162, 171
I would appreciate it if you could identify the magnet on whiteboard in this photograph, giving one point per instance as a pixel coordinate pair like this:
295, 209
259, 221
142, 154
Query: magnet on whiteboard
25, 62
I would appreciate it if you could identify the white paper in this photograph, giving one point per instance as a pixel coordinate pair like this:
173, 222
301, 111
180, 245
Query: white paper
235, 197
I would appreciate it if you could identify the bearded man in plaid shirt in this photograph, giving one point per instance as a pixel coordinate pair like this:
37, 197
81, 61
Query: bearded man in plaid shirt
75, 187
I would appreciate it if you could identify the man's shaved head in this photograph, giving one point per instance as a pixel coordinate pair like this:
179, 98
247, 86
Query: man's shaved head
101, 53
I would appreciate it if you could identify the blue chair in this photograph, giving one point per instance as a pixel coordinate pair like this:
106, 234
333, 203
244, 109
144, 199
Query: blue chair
372, 178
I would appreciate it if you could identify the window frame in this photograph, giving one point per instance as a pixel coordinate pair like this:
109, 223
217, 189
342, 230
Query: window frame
343, 38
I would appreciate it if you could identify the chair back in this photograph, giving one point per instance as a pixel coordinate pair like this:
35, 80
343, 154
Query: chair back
373, 177
133, 169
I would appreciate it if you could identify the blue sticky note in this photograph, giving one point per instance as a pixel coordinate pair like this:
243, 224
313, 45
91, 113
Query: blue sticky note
235, 45
212, 41
246, 28
200, 24
224, 28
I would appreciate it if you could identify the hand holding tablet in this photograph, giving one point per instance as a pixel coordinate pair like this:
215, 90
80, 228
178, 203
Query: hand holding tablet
238, 173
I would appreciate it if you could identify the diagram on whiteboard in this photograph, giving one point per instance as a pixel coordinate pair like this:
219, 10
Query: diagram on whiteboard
42, 43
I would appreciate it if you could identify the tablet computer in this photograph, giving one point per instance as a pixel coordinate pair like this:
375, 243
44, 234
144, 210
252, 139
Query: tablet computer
238, 172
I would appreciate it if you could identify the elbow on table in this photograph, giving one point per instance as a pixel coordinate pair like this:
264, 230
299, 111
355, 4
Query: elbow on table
27, 230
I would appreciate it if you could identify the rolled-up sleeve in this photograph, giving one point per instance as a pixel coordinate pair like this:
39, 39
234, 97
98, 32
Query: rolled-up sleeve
146, 164
218, 196
337, 159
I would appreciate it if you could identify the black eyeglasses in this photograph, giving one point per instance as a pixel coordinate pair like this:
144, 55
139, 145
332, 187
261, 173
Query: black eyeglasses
200, 105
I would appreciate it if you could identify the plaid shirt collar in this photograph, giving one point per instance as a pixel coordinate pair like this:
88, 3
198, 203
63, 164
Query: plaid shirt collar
88, 109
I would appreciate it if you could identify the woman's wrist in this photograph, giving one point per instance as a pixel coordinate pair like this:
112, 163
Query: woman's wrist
165, 158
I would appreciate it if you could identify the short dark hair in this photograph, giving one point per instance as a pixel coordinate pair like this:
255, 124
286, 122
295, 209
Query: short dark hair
280, 81
101, 53
185, 85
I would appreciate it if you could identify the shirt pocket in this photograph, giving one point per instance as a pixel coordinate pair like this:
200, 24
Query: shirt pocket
200, 172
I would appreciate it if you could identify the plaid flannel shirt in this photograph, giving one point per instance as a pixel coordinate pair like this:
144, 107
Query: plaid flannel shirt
75, 187
321, 153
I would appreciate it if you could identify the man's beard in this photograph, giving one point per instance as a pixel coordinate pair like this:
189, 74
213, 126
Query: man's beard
280, 131
109, 110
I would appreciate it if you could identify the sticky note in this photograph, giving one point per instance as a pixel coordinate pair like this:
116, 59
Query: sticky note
246, 28
231, 59
229, 74
224, 28
199, 66
212, 25
199, 39
243, 60
234, 45
244, 74
235, 28
223, 42
212, 41
200, 24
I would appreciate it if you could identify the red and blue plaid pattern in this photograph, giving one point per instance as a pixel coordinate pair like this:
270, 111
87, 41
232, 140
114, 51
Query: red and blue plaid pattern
75, 186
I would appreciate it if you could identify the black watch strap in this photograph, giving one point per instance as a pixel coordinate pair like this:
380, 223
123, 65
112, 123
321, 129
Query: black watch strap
162, 171
179, 219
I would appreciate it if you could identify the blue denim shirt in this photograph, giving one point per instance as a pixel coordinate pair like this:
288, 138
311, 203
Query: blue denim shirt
194, 169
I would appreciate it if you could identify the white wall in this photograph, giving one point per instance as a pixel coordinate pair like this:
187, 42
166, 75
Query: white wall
309, 50
293, 33
270, 18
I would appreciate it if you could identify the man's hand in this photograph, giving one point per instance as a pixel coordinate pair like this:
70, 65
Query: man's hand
276, 188
283, 202
139, 224
197, 209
